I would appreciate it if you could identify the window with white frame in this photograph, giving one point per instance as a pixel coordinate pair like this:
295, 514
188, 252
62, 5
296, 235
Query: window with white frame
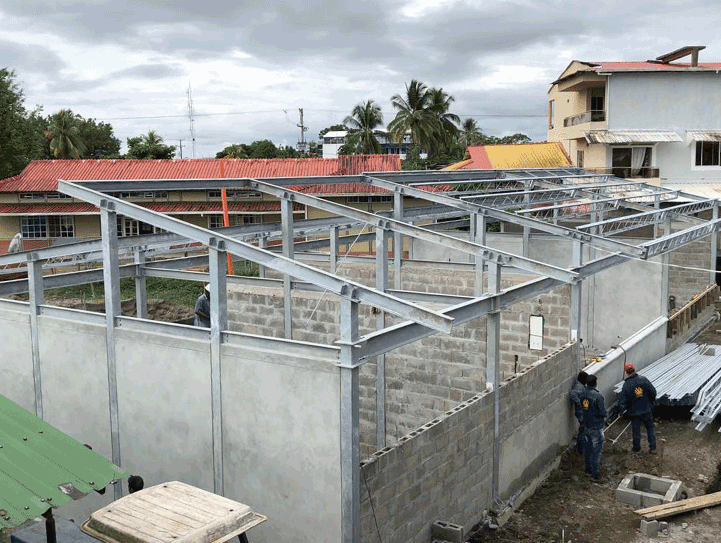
31, 196
215, 221
708, 153
49, 226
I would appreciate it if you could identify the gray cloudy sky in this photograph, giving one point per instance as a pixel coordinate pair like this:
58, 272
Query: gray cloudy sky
252, 65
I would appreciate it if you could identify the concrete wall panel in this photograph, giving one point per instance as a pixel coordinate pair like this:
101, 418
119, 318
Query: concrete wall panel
16, 370
281, 427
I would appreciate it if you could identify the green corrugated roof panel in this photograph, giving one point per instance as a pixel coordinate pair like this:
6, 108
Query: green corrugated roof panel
41, 467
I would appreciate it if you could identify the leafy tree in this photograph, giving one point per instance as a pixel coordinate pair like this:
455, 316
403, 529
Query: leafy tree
262, 149
287, 152
19, 141
64, 133
333, 128
149, 146
314, 150
414, 114
363, 125
234, 150
100, 142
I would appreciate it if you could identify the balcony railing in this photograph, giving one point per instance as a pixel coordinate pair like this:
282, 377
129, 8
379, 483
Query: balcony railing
626, 172
593, 116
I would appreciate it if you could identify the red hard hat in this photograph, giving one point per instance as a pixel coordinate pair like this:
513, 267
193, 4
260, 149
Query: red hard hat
628, 366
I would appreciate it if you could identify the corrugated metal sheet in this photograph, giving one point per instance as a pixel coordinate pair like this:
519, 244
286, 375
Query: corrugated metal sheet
48, 209
707, 190
653, 66
162, 207
42, 175
704, 135
458, 165
514, 156
41, 467
631, 136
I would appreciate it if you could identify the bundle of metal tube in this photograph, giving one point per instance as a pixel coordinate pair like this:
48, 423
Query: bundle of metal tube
708, 405
679, 376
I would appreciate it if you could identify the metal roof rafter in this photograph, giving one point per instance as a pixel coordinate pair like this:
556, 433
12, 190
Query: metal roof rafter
488, 253
470, 207
343, 287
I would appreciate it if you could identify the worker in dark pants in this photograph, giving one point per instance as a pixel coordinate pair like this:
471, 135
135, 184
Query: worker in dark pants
636, 400
576, 395
594, 420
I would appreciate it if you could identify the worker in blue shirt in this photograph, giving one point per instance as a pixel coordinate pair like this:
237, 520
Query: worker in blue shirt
202, 309
594, 420
636, 400
576, 394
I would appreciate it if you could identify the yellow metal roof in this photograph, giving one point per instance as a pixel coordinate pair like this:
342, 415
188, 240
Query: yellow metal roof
527, 155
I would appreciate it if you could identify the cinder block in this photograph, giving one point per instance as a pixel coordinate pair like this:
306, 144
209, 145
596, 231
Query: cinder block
649, 527
447, 531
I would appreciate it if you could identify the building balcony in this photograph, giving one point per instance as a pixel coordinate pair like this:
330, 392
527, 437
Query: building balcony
626, 173
593, 116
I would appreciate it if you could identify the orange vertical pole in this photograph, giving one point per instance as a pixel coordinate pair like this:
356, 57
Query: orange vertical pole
226, 216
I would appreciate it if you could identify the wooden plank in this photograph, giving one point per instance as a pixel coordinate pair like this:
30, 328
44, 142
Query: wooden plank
682, 506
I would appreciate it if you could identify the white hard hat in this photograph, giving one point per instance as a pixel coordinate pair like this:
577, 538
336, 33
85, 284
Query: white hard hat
207, 287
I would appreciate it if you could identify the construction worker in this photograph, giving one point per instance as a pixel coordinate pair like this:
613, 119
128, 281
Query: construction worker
636, 400
594, 421
576, 394
202, 309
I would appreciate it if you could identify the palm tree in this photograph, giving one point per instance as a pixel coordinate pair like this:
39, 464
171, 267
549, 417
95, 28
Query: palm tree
470, 132
414, 114
362, 126
65, 140
440, 104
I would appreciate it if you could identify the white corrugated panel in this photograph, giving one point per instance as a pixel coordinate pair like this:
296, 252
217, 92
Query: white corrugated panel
704, 135
631, 136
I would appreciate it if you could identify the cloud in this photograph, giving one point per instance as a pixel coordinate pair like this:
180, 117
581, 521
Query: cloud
149, 71
32, 58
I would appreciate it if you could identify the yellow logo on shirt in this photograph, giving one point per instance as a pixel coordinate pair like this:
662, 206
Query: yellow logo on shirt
638, 391
585, 404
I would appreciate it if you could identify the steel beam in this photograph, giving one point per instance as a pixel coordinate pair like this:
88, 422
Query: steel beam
478, 221
141, 301
493, 371
286, 214
488, 253
397, 242
328, 281
111, 281
714, 245
349, 422
37, 298
670, 242
218, 323
333, 256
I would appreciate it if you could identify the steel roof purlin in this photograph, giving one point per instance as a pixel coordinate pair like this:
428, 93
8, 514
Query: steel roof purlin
343, 287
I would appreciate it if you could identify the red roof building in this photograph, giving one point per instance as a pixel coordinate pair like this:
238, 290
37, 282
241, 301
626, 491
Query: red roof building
31, 204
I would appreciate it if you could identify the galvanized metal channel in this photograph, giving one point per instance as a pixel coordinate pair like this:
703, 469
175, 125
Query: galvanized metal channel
37, 299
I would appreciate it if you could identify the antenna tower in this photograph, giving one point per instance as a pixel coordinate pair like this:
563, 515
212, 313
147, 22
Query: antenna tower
302, 146
191, 118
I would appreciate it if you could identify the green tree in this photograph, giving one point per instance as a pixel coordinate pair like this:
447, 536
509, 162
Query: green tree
149, 146
64, 133
262, 149
363, 130
470, 132
440, 105
415, 115
234, 150
100, 142
287, 151
20, 142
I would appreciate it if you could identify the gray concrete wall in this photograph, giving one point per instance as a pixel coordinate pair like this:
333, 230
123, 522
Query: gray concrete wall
443, 470
684, 281
281, 428
668, 101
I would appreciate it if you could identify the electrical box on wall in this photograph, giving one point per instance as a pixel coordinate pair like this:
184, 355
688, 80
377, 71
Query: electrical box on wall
535, 332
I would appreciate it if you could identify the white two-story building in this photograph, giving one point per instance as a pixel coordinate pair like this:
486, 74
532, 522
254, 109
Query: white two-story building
656, 119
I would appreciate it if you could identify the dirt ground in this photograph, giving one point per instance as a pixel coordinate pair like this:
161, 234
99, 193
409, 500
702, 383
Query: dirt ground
158, 310
569, 508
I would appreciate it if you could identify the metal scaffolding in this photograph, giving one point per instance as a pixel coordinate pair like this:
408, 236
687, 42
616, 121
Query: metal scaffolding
586, 209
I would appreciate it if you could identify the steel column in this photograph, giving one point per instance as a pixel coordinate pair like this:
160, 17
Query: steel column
576, 293
286, 215
493, 372
334, 235
217, 259
665, 261
111, 281
37, 298
397, 240
141, 300
263, 244
526, 228
382, 238
349, 422
714, 247
478, 222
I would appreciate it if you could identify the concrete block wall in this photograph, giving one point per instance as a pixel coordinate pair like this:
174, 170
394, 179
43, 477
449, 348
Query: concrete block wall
683, 282
443, 469
423, 379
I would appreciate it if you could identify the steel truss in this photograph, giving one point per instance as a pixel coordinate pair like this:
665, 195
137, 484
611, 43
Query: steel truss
541, 199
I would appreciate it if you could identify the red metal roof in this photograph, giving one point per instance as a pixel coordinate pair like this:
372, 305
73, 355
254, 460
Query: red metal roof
162, 207
337, 189
42, 175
